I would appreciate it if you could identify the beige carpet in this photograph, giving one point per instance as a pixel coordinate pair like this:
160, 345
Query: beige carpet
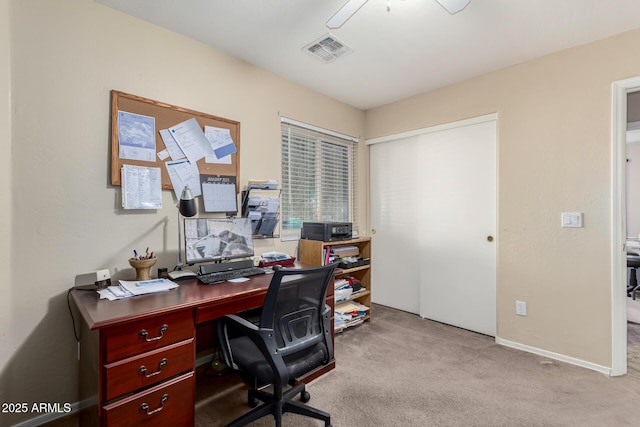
400, 370
633, 338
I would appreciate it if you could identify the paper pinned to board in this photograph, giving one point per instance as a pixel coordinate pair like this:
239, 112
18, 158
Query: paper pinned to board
221, 143
191, 140
219, 193
136, 136
183, 173
141, 187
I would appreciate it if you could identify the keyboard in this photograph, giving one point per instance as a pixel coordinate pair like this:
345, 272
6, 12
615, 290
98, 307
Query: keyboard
221, 276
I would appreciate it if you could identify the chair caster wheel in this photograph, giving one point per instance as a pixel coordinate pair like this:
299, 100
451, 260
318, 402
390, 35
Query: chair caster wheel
253, 402
305, 396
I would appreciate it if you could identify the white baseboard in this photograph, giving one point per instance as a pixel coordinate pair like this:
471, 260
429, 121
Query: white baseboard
556, 356
48, 417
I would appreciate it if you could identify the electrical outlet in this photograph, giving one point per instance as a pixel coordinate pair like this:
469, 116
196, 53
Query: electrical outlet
521, 308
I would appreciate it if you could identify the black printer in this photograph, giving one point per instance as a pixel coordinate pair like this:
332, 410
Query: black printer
326, 231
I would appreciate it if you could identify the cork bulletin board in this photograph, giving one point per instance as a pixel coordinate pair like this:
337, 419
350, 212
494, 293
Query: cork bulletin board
166, 116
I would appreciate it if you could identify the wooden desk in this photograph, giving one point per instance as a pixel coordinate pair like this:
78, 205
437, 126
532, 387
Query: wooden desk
138, 355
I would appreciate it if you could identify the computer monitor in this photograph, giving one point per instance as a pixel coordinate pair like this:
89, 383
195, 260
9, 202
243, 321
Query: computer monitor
217, 239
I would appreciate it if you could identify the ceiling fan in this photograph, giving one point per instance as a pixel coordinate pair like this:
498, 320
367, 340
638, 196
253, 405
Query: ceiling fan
352, 6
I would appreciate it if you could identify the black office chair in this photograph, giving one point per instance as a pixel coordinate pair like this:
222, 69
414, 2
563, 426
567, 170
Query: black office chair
633, 263
292, 338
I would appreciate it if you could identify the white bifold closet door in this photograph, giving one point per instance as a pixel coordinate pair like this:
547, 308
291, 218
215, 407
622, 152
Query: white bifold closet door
433, 217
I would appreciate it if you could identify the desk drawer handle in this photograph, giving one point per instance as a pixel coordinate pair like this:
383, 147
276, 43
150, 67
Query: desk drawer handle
143, 333
145, 408
142, 370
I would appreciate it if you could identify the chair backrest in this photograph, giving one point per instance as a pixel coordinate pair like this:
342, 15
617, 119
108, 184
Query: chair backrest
294, 308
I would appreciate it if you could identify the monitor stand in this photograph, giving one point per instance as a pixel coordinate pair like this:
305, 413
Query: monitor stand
225, 266
181, 274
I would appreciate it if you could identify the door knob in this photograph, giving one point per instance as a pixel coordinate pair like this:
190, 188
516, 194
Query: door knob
489, 238
373, 231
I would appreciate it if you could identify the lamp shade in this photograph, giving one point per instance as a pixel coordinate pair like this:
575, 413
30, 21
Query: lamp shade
187, 205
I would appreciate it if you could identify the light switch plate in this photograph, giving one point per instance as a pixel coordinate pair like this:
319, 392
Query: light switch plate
571, 219
521, 308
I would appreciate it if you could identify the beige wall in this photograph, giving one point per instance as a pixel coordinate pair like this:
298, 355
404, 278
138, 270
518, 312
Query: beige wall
6, 348
66, 216
553, 156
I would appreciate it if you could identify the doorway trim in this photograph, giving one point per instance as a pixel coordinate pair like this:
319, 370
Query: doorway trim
619, 91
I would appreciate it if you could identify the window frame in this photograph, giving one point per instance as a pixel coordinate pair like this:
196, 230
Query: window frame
325, 141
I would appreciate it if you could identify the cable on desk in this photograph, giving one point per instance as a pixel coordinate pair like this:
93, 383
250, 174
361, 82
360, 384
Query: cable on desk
73, 320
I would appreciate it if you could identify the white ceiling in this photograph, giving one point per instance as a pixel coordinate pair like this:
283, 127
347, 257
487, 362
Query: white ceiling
413, 48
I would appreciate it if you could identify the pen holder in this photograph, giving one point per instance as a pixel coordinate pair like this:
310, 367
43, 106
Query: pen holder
142, 267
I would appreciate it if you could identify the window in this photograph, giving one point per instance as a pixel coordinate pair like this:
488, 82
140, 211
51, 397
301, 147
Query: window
319, 171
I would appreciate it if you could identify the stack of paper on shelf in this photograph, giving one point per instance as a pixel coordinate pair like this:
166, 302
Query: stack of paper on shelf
348, 313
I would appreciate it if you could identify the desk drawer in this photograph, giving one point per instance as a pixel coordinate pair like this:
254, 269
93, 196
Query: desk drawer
168, 404
133, 373
147, 334
217, 310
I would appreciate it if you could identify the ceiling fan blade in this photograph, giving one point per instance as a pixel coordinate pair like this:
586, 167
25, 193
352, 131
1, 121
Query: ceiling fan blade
453, 6
344, 13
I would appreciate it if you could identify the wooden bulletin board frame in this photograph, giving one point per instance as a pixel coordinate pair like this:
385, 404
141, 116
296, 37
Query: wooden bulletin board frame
166, 116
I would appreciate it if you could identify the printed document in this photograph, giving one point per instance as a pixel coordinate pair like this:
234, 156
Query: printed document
141, 187
221, 143
219, 193
191, 140
136, 137
172, 146
184, 173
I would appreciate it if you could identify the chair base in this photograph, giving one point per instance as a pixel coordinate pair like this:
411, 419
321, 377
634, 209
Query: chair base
632, 287
276, 407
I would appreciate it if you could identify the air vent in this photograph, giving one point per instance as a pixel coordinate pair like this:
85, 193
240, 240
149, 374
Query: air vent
328, 48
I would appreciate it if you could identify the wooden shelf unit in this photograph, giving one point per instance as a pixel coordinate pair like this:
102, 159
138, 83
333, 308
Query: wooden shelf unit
311, 252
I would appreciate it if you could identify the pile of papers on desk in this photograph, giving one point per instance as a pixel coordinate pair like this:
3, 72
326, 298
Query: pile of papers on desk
128, 288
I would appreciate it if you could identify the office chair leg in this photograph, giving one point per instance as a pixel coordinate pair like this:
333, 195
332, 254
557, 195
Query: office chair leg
633, 283
252, 401
302, 409
259, 412
277, 414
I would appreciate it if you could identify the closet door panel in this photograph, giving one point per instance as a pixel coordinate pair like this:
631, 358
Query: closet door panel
395, 219
433, 216
458, 247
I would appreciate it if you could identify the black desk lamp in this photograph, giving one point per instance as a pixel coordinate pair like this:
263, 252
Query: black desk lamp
186, 207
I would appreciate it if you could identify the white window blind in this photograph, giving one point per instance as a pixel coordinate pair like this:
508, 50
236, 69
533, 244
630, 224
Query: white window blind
318, 177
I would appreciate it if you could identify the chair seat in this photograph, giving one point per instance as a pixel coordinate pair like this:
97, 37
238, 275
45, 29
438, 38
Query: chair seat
633, 261
249, 358
291, 339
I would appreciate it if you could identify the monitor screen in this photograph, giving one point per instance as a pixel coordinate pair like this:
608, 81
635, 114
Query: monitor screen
214, 239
